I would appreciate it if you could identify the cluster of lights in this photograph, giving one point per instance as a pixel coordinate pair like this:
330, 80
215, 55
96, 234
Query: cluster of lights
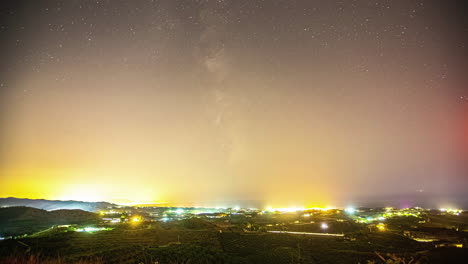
381, 226
350, 210
451, 211
389, 213
137, 219
90, 229
178, 211
108, 212
370, 219
404, 213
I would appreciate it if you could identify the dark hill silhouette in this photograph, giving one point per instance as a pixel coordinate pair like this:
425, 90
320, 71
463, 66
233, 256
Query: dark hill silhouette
54, 204
27, 220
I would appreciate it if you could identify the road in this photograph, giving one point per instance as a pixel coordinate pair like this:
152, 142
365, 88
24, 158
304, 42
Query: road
306, 233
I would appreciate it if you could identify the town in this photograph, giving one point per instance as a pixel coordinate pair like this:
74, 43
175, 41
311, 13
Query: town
439, 227
126, 234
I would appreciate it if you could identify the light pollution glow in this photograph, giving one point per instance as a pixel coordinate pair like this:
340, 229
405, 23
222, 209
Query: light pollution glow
198, 106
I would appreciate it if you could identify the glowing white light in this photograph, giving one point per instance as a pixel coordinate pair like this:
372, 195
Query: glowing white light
350, 210
324, 226
90, 229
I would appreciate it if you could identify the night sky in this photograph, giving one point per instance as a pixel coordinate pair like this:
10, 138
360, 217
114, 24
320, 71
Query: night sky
309, 103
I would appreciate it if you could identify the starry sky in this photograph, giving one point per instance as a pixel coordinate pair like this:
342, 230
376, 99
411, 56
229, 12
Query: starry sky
286, 102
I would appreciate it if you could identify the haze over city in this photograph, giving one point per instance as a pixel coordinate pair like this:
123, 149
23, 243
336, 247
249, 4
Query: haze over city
227, 103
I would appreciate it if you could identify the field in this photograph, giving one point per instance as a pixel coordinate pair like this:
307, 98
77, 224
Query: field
237, 238
174, 243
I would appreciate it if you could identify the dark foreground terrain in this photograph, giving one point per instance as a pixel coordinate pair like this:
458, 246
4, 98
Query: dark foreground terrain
197, 240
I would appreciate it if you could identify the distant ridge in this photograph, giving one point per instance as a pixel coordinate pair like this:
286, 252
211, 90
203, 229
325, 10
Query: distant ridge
54, 204
20, 220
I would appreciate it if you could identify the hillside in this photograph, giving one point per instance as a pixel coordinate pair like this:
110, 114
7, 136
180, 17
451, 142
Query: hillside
54, 204
27, 220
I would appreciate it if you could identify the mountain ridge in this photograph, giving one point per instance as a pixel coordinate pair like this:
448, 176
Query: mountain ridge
50, 205
18, 220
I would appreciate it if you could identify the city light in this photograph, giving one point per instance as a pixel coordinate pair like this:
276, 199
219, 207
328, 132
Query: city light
381, 226
324, 226
90, 229
350, 210
451, 211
